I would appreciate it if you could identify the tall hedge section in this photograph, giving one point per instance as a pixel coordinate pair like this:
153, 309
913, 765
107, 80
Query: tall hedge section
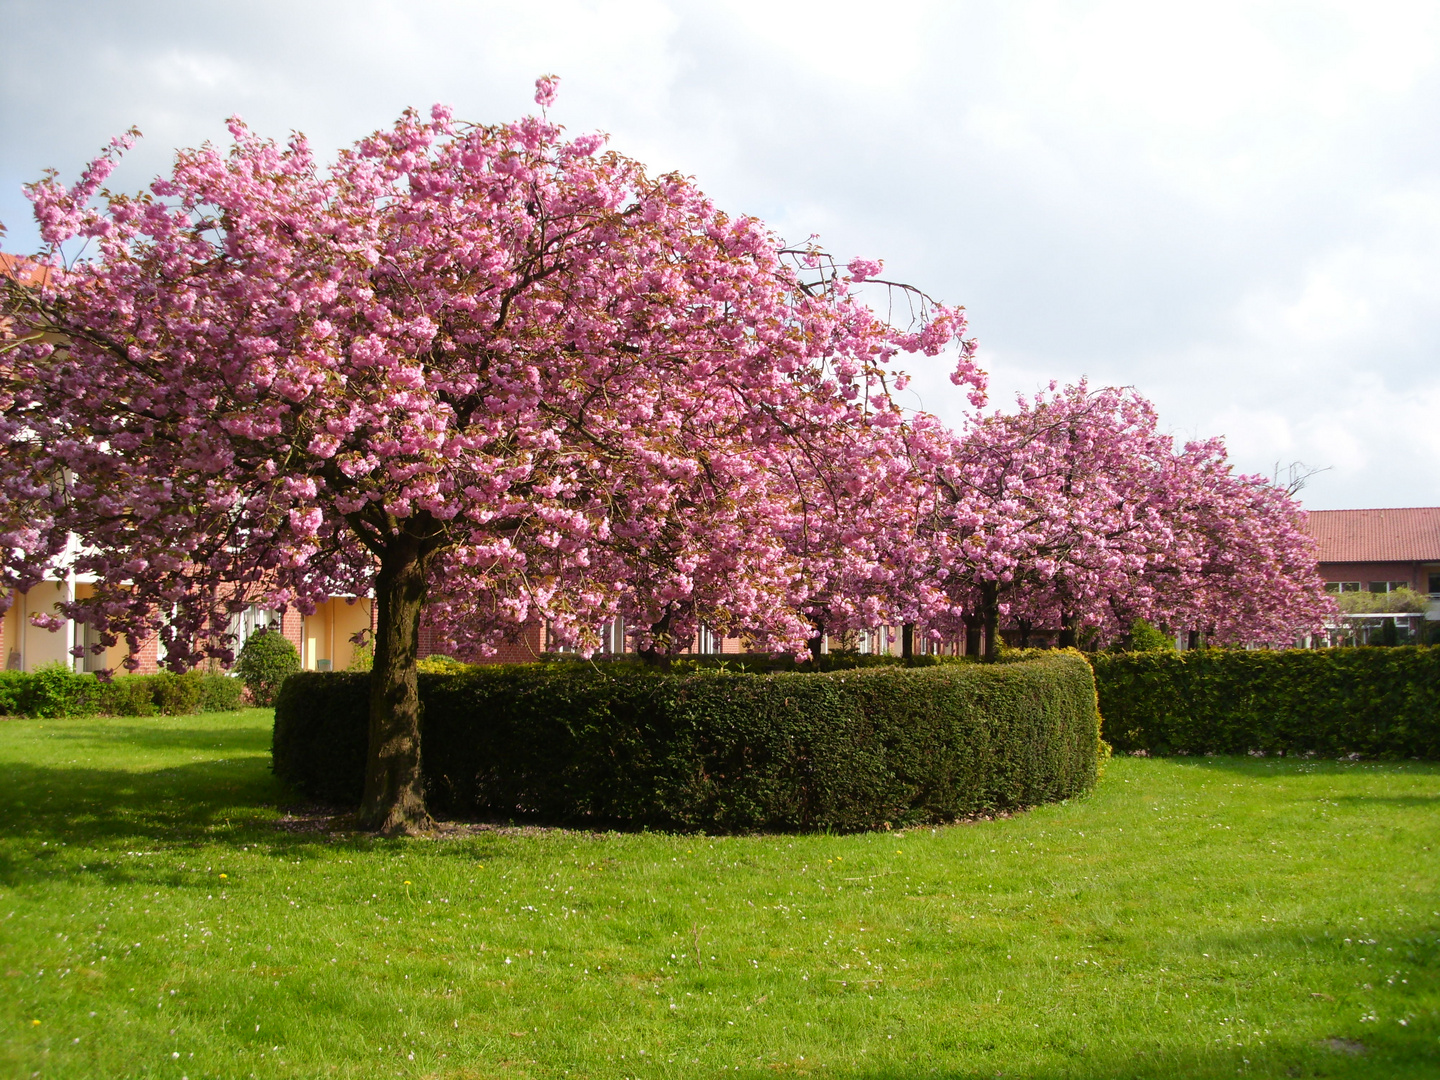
1376, 702
716, 750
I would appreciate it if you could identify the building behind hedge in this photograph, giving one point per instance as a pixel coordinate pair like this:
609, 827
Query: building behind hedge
323, 639
1380, 551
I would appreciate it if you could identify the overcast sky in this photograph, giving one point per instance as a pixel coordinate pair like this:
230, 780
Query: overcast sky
1233, 207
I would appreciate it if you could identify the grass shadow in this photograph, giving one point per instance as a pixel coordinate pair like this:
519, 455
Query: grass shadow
1420, 801
112, 812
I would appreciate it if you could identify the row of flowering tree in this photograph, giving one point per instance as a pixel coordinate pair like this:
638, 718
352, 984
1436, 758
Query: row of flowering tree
501, 375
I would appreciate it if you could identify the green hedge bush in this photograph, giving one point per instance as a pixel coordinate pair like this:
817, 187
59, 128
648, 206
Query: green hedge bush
716, 750
265, 662
55, 691
1376, 702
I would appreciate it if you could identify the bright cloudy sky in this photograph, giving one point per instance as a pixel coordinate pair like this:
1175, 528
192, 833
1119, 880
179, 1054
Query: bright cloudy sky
1233, 207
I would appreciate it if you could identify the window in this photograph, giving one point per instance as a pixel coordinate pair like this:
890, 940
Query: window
612, 636
1388, 586
1434, 583
1342, 586
92, 661
244, 624
706, 642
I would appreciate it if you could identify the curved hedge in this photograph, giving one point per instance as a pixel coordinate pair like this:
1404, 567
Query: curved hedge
717, 751
1376, 702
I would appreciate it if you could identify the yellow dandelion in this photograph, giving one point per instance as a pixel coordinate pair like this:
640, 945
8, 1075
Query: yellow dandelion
34, 1023
224, 876
407, 883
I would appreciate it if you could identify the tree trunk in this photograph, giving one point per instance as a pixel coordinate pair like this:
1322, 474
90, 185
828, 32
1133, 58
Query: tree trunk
1067, 638
817, 643
990, 594
1025, 626
652, 655
973, 623
907, 641
394, 799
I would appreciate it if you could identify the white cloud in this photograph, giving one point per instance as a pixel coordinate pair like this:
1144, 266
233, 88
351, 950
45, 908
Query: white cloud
1233, 206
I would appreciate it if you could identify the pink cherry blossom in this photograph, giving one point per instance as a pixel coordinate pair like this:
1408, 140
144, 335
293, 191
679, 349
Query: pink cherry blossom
479, 370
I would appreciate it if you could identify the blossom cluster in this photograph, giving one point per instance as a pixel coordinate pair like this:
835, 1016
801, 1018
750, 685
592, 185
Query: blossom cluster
523, 378
506, 364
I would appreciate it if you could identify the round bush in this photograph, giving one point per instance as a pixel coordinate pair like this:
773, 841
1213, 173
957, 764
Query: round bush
266, 661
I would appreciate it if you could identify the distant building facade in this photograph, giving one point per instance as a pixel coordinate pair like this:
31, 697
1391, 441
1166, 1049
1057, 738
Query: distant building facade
324, 639
1379, 550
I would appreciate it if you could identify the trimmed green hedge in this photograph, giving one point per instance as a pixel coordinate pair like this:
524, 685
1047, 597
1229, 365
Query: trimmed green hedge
55, 691
1376, 702
716, 750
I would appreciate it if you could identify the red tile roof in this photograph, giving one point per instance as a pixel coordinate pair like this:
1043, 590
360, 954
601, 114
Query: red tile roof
26, 271
1411, 534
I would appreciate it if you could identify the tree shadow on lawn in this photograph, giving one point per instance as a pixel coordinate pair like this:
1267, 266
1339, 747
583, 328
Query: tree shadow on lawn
1409, 1055
111, 811
1431, 802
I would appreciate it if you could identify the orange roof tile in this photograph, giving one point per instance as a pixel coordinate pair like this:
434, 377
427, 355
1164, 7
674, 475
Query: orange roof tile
1411, 534
26, 271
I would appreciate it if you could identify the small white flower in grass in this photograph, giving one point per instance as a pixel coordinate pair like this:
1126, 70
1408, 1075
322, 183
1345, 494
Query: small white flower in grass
175, 1053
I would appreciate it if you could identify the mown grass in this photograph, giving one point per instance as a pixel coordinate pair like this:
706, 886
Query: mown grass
1191, 918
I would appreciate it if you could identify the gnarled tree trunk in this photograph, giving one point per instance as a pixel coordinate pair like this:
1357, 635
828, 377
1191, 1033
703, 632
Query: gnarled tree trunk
394, 799
658, 651
1068, 637
973, 622
817, 643
990, 610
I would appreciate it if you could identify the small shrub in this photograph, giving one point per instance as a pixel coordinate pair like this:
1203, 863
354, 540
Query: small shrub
265, 662
12, 692
1146, 638
54, 691
364, 658
177, 694
126, 695
436, 664
221, 693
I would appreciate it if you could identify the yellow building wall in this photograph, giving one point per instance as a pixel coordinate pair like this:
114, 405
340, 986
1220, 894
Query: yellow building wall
326, 634
39, 646
347, 620
315, 638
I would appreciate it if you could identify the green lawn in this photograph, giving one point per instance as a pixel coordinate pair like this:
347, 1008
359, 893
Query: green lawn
1192, 918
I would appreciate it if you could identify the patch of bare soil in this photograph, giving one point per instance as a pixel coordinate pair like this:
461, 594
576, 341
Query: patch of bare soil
325, 822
